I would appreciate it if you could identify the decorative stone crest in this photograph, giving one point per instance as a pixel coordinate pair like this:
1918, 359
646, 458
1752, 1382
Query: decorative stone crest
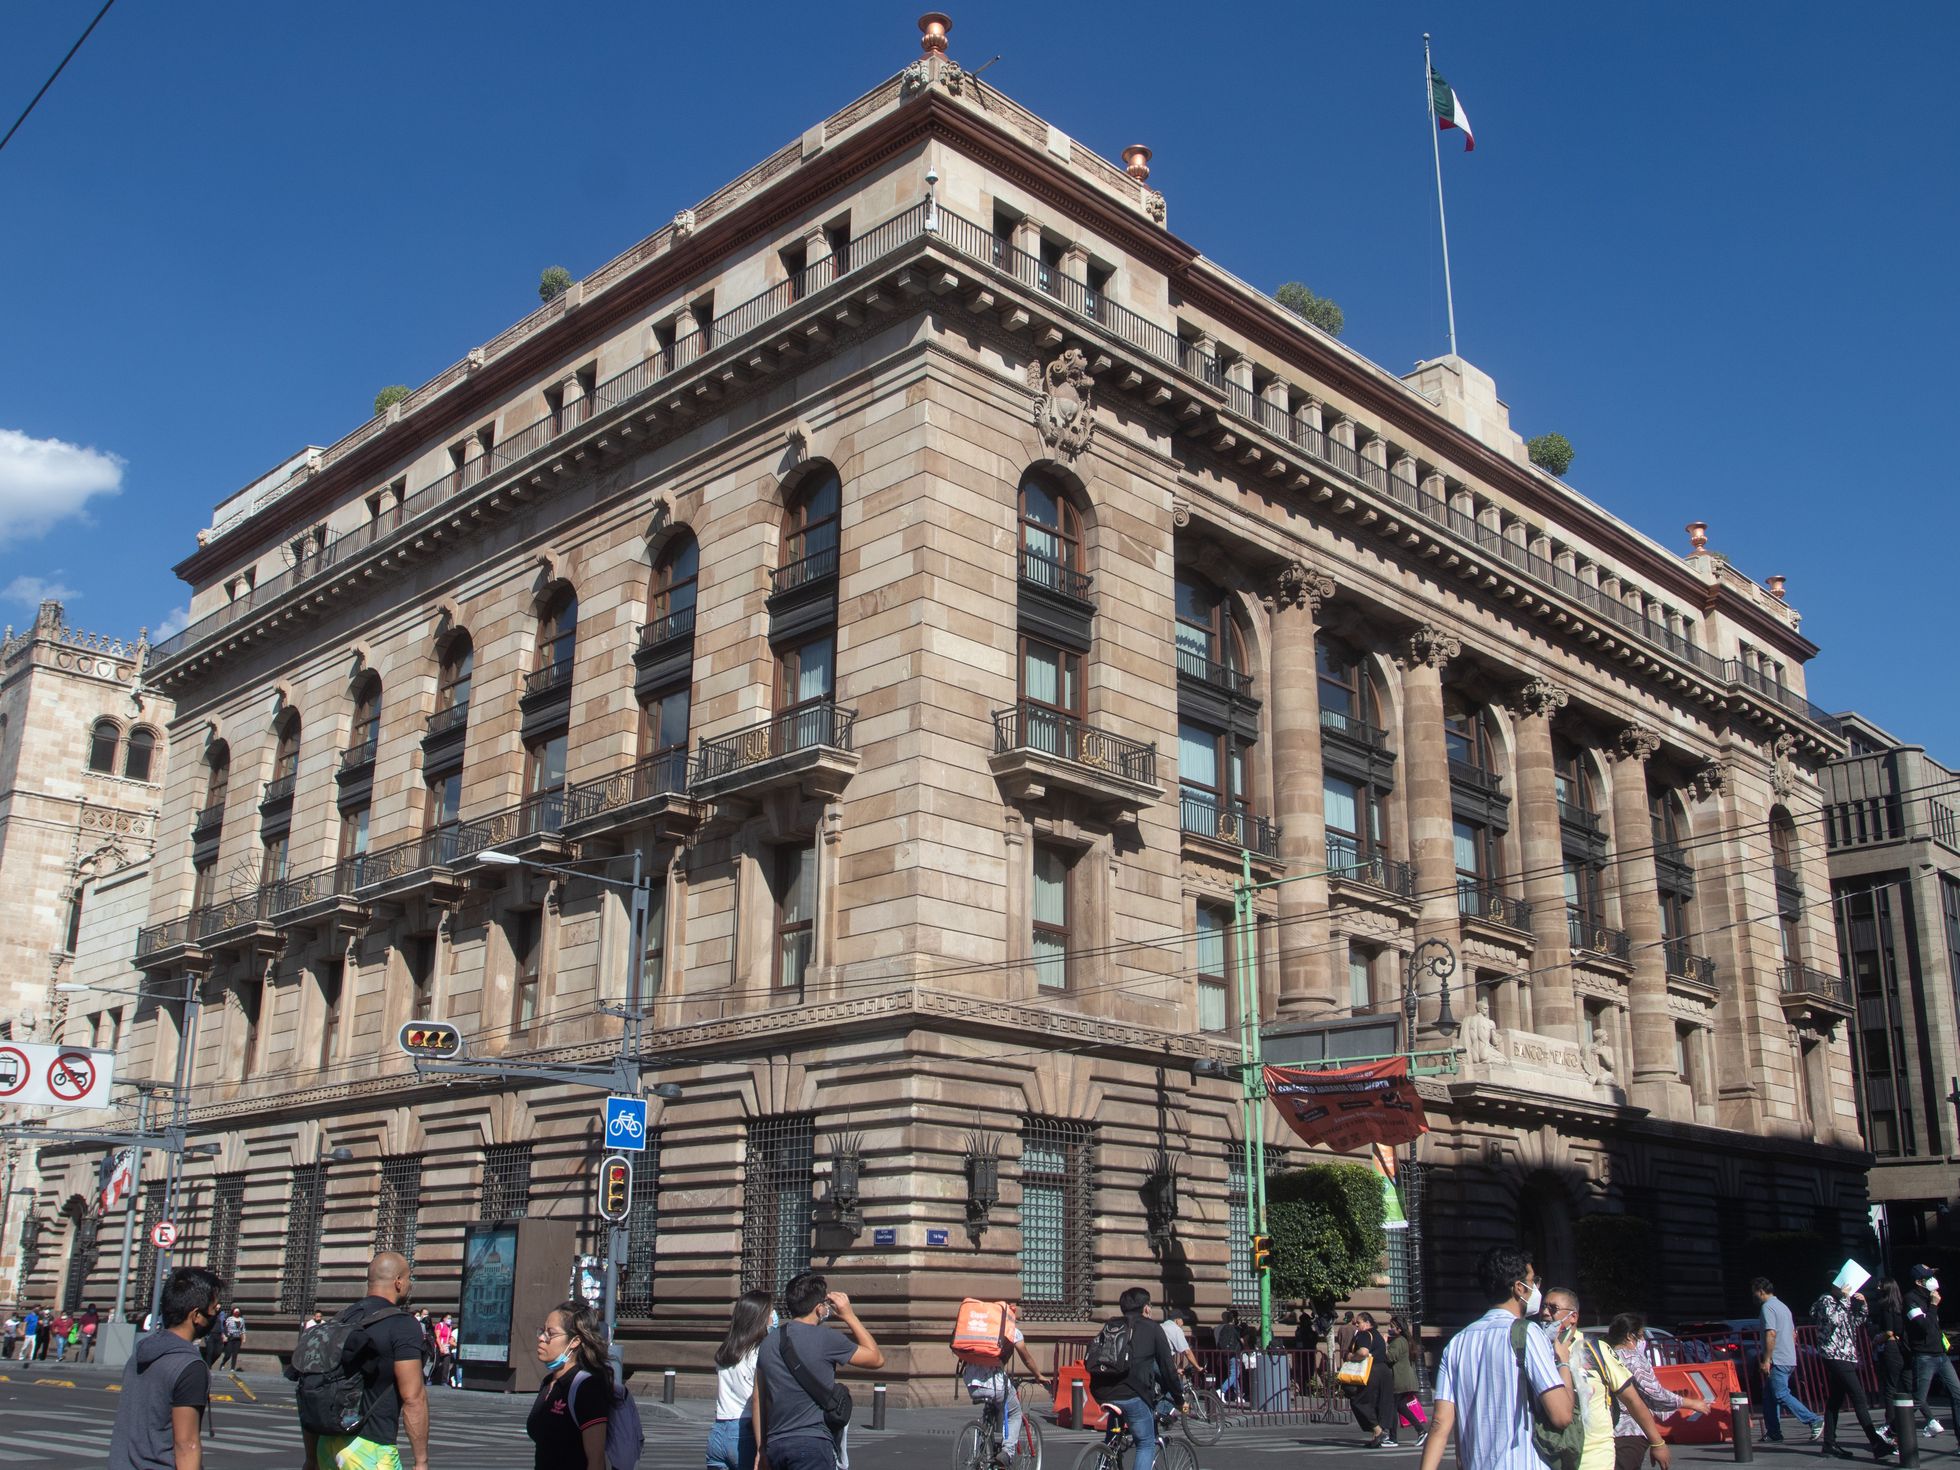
1637, 743
683, 224
1711, 780
1783, 777
1431, 647
1539, 697
1064, 411
1153, 205
1301, 586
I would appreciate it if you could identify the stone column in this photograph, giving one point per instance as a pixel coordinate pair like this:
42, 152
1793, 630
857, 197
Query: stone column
1555, 1011
1640, 910
1307, 971
1426, 770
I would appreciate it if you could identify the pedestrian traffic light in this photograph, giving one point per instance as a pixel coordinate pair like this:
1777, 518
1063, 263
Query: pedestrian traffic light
615, 1188
1262, 1253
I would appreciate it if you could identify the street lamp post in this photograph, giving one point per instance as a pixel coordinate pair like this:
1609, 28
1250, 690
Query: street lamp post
1435, 957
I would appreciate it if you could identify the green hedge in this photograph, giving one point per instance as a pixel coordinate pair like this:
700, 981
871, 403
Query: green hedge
1326, 1224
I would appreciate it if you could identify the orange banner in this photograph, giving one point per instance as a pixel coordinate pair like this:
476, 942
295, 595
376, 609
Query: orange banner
1346, 1108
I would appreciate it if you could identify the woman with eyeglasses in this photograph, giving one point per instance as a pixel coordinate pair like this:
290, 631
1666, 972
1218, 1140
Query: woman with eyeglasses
568, 1421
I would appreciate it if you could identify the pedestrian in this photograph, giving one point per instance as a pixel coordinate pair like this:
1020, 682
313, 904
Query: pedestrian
1928, 1345
796, 1408
47, 1323
1601, 1385
567, 1422
1405, 1387
1374, 1400
445, 1347
731, 1442
1483, 1368
1230, 1342
986, 1339
1779, 1361
234, 1338
58, 1334
455, 1351
428, 1331
30, 1330
214, 1341
9, 1335
91, 1324
1626, 1336
1838, 1318
1344, 1337
382, 1347
1886, 1328
1150, 1377
166, 1384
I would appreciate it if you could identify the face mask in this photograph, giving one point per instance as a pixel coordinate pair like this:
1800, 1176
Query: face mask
1932, 1283
558, 1362
1534, 1301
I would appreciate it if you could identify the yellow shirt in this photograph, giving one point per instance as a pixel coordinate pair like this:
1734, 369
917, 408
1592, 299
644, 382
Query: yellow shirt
1605, 1377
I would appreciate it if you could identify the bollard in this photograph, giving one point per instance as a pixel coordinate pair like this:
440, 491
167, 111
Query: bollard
1905, 1430
1742, 1428
667, 1386
877, 1406
1078, 1402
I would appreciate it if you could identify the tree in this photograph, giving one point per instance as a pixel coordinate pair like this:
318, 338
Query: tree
1320, 310
554, 281
1551, 452
389, 396
1326, 1224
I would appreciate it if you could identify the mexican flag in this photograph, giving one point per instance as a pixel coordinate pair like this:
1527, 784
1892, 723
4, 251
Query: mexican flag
1449, 111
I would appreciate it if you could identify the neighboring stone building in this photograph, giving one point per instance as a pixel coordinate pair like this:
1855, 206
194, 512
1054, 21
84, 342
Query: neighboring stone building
941, 574
81, 777
1892, 817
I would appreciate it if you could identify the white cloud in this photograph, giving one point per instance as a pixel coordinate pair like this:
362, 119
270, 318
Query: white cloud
174, 622
36, 590
43, 481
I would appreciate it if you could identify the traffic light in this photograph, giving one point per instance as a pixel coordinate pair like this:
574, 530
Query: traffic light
1262, 1253
615, 1188
430, 1039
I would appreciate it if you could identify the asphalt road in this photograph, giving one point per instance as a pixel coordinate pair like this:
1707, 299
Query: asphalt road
63, 1417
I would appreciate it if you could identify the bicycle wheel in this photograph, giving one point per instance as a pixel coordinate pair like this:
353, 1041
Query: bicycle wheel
966, 1447
1204, 1418
1101, 1457
1027, 1454
1174, 1454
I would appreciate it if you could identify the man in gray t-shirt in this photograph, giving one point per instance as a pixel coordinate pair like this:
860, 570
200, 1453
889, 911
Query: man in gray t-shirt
1779, 1361
788, 1421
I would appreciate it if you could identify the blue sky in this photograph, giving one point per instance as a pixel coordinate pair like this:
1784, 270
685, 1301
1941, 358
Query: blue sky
1711, 244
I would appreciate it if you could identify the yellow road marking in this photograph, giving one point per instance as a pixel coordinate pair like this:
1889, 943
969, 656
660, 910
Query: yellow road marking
221, 1398
239, 1384
54, 1382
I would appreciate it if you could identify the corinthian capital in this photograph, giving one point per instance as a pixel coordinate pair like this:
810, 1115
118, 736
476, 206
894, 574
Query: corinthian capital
1637, 743
1430, 646
1301, 586
1539, 697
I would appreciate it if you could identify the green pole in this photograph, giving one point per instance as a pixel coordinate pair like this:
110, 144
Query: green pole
1252, 1087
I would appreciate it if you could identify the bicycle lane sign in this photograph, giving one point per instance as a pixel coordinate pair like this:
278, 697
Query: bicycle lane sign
626, 1123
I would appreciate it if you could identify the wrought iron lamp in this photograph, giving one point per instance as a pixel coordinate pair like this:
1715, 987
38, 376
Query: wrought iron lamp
982, 1182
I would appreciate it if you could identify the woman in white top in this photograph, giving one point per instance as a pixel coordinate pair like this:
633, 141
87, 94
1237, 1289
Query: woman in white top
731, 1443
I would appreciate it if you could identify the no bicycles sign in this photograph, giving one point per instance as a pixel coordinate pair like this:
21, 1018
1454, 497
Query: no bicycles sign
36, 1076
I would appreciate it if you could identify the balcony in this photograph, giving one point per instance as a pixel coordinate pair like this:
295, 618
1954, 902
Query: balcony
672, 628
1214, 675
445, 720
1346, 863
1040, 752
1672, 869
1591, 937
1814, 997
1467, 773
532, 828
1344, 726
278, 792
650, 792
421, 866
209, 820
806, 574
1056, 578
241, 924
1580, 818
807, 749
173, 944
1202, 814
324, 899
541, 684
358, 757
1684, 964
1483, 901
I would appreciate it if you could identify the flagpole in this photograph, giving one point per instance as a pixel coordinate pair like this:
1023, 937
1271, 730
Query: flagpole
1436, 150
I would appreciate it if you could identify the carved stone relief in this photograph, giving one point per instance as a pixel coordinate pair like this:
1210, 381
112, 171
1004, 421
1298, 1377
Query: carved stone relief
1064, 409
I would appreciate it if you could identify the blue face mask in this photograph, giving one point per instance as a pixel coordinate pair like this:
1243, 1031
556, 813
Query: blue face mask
558, 1362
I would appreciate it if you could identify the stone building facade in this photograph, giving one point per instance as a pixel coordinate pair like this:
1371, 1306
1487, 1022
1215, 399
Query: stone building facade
947, 579
1892, 822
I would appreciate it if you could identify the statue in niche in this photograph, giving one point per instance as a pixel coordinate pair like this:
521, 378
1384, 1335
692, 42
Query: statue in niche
1481, 1038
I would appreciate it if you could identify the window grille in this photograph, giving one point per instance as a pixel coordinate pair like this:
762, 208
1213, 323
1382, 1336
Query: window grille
146, 1261
1245, 1288
81, 1261
399, 1207
777, 1195
227, 1217
642, 1229
303, 1219
1057, 1185
506, 1182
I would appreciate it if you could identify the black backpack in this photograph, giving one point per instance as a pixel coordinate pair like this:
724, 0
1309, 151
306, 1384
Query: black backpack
1112, 1351
332, 1393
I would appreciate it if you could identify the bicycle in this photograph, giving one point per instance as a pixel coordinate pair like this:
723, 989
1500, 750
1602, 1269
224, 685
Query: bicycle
1117, 1449
1203, 1419
978, 1445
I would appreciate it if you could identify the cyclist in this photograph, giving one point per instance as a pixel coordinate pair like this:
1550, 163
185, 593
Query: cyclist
988, 1382
1150, 1378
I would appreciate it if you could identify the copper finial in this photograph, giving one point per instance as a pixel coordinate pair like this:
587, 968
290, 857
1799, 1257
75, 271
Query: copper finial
1698, 535
933, 26
1776, 587
1136, 159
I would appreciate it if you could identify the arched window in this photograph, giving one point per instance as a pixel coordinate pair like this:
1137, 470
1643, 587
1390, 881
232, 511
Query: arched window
1208, 643
810, 528
102, 747
1783, 844
1348, 704
670, 592
1573, 780
136, 758
558, 636
285, 756
1787, 861
1673, 876
217, 779
366, 729
1468, 734
1051, 532
453, 677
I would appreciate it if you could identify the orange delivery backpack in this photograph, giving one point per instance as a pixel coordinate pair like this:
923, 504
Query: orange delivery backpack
980, 1332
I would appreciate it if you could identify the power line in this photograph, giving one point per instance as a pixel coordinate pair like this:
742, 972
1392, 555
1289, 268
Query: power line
56, 72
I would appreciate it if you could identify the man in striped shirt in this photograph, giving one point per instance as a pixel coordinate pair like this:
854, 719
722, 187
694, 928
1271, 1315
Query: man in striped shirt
1478, 1382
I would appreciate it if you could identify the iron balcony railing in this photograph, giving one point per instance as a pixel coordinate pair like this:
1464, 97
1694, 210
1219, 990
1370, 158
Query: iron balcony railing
1052, 575
673, 627
1574, 815
339, 881
1049, 732
1347, 863
359, 754
803, 571
1684, 964
153, 938
541, 814
1672, 868
435, 848
1479, 898
1788, 878
1802, 980
815, 726
278, 789
448, 719
1360, 731
548, 678
1473, 775
1589, 936
208, 819
232, 913
1203, 814
664, 774
1194, 665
